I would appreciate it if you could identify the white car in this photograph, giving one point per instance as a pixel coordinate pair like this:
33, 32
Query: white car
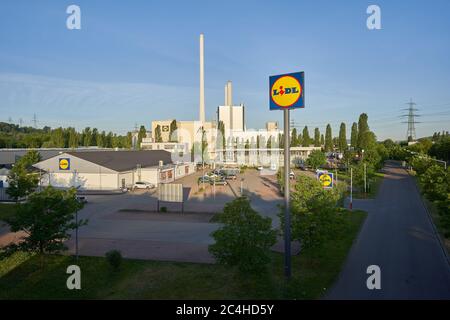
292, 175
143, 185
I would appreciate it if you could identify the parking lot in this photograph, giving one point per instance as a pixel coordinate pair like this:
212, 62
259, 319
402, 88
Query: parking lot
128, 221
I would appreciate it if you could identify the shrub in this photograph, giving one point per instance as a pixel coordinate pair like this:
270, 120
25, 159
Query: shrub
163, 209
434, 183
316, 159
114, 258
245, 238
420, 164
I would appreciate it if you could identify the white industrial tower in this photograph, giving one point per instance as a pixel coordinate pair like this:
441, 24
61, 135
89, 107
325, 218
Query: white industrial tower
202, 80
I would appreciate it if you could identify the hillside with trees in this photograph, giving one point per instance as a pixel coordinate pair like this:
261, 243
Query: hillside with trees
15, 136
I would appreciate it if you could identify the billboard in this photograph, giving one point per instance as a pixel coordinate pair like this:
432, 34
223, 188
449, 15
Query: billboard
170, 192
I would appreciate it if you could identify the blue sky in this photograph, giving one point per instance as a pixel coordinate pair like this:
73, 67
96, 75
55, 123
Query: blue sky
137, 61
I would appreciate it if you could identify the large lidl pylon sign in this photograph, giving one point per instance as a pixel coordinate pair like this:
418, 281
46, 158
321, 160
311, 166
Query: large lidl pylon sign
287, 91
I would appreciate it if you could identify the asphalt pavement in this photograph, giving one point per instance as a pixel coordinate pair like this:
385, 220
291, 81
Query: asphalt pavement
397, 236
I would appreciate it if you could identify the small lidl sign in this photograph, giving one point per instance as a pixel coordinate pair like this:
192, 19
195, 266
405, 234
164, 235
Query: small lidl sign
287, 91
64, 164
326, 179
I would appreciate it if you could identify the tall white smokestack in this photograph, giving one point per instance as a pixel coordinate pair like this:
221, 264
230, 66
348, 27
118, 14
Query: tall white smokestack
230, 102
230, 93
226, 95
202, 80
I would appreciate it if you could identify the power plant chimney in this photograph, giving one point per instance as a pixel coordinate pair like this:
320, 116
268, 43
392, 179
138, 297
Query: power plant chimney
226, 95
202, 80
230, 102
229, 94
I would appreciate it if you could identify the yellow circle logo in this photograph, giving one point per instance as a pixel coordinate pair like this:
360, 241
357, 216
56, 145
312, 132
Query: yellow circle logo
325, 179
63, 164
286, 91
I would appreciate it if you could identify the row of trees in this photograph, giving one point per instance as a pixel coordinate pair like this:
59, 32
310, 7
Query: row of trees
358, 138
13, 136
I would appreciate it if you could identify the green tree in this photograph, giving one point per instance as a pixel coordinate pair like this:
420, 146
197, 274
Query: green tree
299, 139
441, 148
73, 138
328, 139
421, 164
314, 214
109, 140
94, 137
245, 238
22, 182
322, 140
316, 137
100, 139
158, 137
46, 218
141, 134
363, 128
294, 139
354, 136
87, 136
306, 138
435, 184
172, 131
316, 159
30, 158
342, 138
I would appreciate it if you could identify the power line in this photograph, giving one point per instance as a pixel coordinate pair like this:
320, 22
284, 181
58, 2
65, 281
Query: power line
411, 131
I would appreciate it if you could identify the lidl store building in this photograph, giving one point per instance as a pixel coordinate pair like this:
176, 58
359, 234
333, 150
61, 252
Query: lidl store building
110, 170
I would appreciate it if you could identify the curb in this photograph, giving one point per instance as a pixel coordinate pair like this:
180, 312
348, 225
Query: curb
430, 218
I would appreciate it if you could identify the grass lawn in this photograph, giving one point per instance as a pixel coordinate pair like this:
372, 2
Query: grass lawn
374, 186
7, 210
313, 272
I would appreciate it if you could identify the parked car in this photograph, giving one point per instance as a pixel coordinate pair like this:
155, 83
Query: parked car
291, 175
143, 185
260, 168
204, 178
81, 199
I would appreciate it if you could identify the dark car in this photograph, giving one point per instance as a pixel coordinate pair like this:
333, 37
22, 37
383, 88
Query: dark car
81, 199
202, 179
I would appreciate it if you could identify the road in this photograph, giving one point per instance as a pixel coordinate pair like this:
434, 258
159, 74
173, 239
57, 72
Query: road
398, 237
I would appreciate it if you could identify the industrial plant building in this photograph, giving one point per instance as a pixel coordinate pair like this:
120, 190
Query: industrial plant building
242, 146
110, 170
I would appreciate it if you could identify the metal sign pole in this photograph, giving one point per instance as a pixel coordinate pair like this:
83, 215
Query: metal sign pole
351, 188
287, 218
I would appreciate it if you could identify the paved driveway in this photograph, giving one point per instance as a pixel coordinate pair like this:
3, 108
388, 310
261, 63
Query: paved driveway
398, 237
139, 236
